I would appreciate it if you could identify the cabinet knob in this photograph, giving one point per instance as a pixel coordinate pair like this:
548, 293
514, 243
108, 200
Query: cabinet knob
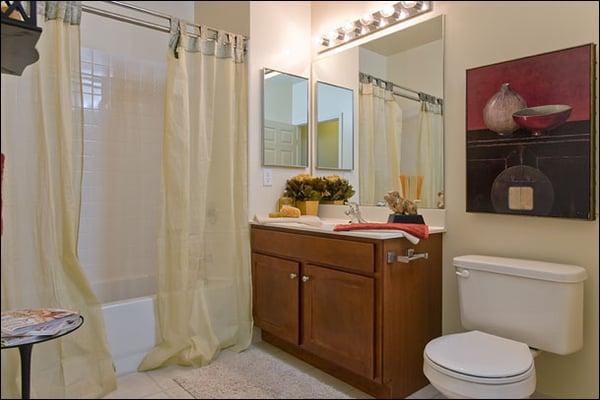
305, 278
293, 276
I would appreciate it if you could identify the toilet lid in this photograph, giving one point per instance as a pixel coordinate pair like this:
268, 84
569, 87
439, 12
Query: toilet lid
480, 354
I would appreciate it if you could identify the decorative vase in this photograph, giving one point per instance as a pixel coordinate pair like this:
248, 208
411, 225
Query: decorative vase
497, 113
309, 207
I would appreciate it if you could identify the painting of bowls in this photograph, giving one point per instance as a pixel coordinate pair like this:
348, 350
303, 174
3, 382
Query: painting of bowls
530, 141
542, 118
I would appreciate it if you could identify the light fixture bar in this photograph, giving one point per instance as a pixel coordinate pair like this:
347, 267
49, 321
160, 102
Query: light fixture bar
370, 23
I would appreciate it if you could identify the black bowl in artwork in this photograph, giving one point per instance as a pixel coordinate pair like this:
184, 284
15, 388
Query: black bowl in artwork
522, 190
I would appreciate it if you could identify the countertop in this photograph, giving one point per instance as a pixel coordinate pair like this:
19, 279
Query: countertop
329, 223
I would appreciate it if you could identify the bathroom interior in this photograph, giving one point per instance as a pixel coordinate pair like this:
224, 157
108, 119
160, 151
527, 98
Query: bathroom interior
299, 199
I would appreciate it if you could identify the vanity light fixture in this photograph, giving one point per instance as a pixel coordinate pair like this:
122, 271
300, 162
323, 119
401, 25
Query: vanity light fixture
388, 11
335, 35
349, 27
373, 22
408, 4
366, 19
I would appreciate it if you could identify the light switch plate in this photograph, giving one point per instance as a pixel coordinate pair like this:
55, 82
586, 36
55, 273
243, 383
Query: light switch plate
267, 177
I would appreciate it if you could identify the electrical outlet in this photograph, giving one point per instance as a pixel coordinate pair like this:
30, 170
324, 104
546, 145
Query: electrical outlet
267, 177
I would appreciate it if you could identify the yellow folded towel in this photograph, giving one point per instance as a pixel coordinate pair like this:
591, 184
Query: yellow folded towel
287, 212
311, 220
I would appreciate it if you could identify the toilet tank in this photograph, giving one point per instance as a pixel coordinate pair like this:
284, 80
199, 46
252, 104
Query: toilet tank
536, 303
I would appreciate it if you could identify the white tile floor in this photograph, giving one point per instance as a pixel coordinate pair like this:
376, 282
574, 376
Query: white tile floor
159, 384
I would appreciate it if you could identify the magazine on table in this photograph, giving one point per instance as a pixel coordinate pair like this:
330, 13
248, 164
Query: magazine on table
20, 326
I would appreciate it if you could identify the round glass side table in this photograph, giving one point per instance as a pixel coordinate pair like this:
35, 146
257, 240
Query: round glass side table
26, 347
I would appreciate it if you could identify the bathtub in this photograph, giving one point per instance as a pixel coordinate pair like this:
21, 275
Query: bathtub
131, 331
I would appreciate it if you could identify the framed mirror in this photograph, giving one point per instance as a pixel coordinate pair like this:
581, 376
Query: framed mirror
334, 127
285, 119
398, 85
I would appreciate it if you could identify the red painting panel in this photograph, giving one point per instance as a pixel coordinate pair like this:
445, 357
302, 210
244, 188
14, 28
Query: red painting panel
561, 77
531, 135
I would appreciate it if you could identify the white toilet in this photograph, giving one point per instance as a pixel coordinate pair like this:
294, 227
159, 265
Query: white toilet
513, 309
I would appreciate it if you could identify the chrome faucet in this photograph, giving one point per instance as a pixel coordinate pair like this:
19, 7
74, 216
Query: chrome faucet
354, 213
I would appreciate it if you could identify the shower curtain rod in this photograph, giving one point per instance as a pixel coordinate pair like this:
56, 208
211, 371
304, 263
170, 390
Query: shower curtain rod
420, 95
140, 22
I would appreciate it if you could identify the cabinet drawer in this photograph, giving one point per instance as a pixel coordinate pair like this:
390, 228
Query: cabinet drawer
348, 254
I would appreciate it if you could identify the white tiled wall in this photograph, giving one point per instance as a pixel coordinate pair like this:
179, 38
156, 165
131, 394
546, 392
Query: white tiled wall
123, 116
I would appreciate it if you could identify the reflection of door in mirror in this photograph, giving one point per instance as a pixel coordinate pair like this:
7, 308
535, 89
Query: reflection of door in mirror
328, 143
335, 127
283, 143
285, 120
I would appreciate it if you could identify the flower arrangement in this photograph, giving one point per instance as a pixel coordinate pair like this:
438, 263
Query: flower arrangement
304, 187
337, 189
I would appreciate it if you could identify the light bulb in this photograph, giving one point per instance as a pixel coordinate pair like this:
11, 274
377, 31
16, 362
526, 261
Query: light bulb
332, 36
349, 26
408, 4
424, 6
366, 19
388, 11
403, 14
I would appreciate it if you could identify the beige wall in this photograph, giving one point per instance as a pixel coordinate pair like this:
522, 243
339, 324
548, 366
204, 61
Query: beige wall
481, 33
279, 39
232, 16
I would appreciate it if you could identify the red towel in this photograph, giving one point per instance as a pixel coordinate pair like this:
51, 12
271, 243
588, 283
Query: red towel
419, 230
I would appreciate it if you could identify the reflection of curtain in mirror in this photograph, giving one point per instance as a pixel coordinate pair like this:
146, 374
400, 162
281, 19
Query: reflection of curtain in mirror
430, 155
203, 299
380, 133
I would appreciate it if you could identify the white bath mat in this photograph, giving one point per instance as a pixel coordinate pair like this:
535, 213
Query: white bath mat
254, 374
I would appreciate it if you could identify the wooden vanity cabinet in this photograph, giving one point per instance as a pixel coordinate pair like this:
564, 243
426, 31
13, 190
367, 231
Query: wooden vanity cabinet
338, 316
276, 296
347, 306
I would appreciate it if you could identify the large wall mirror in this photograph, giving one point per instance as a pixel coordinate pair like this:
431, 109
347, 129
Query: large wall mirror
334, 127
398, 81
285, 119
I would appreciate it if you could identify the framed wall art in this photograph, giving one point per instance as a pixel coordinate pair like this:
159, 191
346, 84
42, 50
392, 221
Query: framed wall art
531, 135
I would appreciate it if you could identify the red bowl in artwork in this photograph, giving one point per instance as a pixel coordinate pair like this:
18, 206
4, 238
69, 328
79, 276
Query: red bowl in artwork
542, 118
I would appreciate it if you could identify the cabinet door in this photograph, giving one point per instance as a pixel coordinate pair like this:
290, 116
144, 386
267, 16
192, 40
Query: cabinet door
338, 319
275, 295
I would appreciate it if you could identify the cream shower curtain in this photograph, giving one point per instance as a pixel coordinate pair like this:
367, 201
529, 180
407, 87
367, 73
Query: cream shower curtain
380, 126
204, 285
430, 155
42, 141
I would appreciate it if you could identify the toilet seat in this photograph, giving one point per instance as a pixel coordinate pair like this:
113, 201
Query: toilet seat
477, 379
479, 365
480, 357
456, 386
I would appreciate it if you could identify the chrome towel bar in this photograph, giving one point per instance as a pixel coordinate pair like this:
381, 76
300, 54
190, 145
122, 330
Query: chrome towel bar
392, 257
